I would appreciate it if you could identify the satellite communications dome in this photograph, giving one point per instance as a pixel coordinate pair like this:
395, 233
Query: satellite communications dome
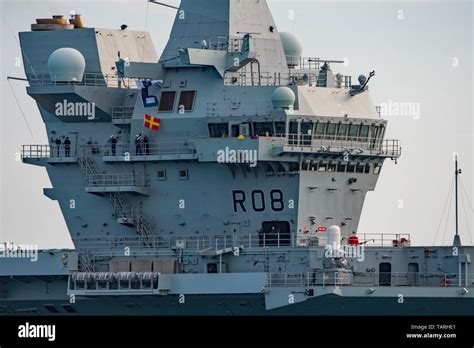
283, 98
66, 65
293, 48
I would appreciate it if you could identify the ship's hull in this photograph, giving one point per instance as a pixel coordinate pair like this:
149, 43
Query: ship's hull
242, 305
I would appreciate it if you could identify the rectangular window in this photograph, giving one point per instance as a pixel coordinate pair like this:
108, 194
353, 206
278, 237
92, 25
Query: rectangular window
280, 128
341, 167
364, 134
350, 168
306, 133
167, 101
360, 168
377, 168
183, 174
353, 132
320, 130
161, 174
332, 167
323, 167
293, 133
263, 129
331, 132
186, 101
218, 130
342, 132
367, 168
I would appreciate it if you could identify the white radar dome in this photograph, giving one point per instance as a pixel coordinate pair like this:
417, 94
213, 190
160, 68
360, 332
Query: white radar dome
283, 98
334, 237
293, 48
66, 65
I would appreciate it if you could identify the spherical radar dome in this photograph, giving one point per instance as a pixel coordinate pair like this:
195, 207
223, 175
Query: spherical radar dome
283, 98
293, 48
66, 65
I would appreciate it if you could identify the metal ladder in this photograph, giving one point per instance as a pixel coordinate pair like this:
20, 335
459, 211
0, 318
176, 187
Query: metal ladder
86, 263
122, 208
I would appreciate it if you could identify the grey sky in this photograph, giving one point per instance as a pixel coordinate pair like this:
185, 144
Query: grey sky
412, 46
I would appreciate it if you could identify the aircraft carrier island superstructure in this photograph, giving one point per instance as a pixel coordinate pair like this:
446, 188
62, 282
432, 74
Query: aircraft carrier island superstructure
225, 178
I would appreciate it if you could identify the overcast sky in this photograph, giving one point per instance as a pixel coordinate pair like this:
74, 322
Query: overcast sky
422, 53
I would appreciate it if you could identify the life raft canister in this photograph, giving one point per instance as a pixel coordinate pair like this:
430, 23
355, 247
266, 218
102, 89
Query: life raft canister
353, 240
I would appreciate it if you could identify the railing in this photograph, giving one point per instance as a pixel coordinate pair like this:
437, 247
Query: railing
36, 151
118, 180
191, 243
152, 149
89, 79
122, 112
239, 109
380, 239
369, 279
313, 143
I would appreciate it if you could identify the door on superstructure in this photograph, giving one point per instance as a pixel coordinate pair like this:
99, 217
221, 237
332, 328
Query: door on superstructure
413, 270
275, 233
385, 274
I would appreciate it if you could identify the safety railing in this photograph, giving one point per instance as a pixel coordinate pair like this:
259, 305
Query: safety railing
150, 149
88, 79
188, 243
313, 143
36, 151
380, 239
118, 180
371, 279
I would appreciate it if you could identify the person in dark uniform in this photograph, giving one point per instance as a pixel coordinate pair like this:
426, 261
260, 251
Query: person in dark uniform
146, 145
113, 144
67, 147
138, 145
58, 146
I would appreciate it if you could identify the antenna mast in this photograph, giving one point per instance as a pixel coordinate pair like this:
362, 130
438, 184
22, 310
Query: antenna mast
457, 239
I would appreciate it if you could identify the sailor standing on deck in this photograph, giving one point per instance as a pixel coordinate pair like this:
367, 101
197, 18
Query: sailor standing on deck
138, 144
58, 146
113, 144
67, 147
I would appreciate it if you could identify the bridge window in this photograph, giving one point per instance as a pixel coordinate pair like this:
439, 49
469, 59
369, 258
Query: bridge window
331, 132
342, 132
367, 168
353, 132
377, 168
186, 100
360, 168
280, 128
323, 167
364, 133
320, 130
351, 168
218, 130
332, 167
341, 167
167, 101
263, 129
